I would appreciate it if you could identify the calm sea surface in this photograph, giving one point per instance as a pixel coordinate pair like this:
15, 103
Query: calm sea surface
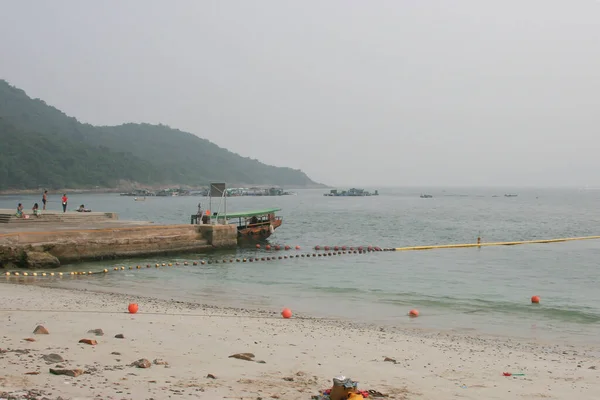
487, 290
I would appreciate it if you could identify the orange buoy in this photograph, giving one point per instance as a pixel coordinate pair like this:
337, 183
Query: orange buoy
268, 247
413, 313
535, 299
286, 313
297, 247
133, 308
317, 247
277, 247
287, 247
258, 246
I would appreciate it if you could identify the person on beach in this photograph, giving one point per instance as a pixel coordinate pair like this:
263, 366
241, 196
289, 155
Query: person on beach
36, 210
20, 213
83, 209
44, 199
65, 200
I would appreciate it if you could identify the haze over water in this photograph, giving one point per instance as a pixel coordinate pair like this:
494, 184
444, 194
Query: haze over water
486, 289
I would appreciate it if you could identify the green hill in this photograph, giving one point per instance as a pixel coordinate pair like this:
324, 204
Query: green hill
43, 147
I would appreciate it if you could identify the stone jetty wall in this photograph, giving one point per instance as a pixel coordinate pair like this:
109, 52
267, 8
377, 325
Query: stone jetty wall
51, 248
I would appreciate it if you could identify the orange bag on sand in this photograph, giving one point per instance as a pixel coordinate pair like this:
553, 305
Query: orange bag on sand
355, 396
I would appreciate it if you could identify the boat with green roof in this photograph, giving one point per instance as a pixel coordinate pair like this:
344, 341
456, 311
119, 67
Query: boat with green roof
256, 224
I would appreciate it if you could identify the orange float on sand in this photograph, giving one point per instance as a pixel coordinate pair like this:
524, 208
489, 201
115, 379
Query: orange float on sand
133, 308
413, 313
535, 299
286, 313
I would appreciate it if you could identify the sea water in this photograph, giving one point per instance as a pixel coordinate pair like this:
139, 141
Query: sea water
485, 290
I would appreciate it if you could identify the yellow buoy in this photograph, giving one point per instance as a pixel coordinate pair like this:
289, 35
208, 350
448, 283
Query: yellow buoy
34, 274
105, 270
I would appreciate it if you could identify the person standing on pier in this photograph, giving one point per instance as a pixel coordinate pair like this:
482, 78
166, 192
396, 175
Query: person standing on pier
44, 199
65, 199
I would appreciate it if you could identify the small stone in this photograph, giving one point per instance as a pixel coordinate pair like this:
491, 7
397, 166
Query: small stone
159, 361
115, 353
141, 363
592, 367
120, 336
69, 372
89, 341
40, 330
32, 373
388, 359
288, 378
211, 376
53, 358
243, 356
97, 332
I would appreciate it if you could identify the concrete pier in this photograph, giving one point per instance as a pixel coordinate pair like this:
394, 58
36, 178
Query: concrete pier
56, 238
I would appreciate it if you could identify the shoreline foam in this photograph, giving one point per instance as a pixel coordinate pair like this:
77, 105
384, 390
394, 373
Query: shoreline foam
301, 355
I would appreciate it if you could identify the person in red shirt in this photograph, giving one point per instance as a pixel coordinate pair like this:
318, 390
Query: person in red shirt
65, 199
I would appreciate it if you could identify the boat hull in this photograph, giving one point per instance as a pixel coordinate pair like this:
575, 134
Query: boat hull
259, 231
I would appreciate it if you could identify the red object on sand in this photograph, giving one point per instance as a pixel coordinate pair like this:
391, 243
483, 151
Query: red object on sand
133, 308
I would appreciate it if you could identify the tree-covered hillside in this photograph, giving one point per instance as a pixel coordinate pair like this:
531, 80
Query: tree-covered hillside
40, 146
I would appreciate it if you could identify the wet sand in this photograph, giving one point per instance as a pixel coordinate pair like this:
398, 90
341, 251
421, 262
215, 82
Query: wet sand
188, 347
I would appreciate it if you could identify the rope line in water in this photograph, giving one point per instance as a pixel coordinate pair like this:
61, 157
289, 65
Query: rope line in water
484, 244
337, 250
36, 274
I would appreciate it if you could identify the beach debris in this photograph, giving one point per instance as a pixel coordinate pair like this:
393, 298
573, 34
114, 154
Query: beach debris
53, 358
69, 372
29, 339
211, 376
115, 353
119, 336
141, 363
243, 356
511, 374
88, 341
592, 367
40, 330
388, 359
159, 361
97, 332
289, 379
132, 308
32, 373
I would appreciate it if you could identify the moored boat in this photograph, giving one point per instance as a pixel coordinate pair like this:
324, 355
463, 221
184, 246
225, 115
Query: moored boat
257, 224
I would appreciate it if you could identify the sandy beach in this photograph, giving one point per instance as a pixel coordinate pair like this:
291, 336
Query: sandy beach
188, 347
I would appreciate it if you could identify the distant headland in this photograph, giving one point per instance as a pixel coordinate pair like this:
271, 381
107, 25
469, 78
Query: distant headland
43, 148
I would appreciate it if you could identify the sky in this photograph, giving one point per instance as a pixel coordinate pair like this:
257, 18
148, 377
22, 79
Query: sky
371, 93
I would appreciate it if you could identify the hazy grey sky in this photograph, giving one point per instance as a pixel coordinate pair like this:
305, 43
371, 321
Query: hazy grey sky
419, 92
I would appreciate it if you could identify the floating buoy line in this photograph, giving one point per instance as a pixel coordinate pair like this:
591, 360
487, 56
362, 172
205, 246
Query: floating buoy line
319, 251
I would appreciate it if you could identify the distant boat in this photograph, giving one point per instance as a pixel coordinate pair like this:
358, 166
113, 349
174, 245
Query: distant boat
350, 193
426, 196
510, 195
